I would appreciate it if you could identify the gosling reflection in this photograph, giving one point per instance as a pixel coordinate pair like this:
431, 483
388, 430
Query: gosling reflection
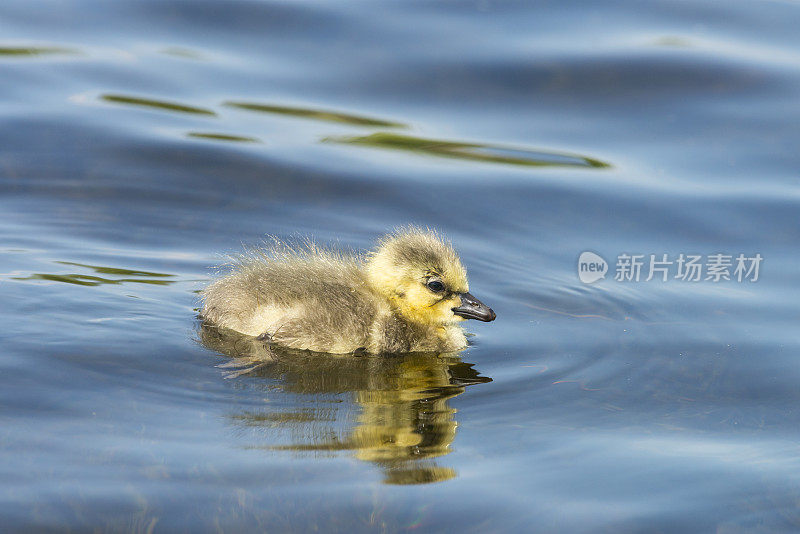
403, 423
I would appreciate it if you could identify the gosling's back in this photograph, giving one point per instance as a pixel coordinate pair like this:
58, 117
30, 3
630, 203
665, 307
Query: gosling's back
303, 297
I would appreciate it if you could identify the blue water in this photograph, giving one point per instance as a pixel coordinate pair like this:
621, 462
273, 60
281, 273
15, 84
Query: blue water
141, 141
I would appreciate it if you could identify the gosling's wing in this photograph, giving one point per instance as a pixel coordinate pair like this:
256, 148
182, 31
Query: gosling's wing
228, 303
317, 302
336, 318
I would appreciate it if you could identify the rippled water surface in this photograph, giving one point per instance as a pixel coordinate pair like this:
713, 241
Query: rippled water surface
141, 141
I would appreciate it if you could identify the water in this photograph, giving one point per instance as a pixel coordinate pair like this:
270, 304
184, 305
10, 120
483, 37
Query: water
142, 141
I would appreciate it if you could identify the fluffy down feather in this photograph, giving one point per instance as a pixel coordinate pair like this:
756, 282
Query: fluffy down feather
307, 297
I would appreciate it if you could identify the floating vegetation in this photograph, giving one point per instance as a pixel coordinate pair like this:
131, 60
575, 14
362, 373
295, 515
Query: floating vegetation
222, 137
132, 276
155, 104
471, 151
28, 51
317, 114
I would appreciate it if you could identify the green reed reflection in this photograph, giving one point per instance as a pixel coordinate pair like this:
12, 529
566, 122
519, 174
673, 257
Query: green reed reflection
470, 151
181, 52
317, 114
403, 420
142, 277
222, 137
29, 51
155, 104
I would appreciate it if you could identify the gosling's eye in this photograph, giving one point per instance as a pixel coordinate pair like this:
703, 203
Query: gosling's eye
436, 286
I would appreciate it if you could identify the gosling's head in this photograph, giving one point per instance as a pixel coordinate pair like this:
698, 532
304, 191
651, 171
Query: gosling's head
421, 274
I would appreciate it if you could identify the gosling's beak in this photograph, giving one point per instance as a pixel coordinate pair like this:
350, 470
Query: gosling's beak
472, 308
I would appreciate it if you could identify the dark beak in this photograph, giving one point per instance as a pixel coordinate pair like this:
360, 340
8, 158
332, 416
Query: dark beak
472, 308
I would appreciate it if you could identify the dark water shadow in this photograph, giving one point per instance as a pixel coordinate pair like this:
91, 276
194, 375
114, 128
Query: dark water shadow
316, 114
403, 421
131, 276
471, 151
155, 104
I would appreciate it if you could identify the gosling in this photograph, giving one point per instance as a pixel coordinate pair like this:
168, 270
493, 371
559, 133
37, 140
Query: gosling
407, 295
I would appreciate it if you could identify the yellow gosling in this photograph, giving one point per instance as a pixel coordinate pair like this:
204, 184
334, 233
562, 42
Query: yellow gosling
408, 295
